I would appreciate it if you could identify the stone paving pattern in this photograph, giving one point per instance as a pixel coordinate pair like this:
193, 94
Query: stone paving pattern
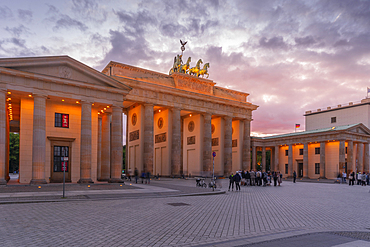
255, 214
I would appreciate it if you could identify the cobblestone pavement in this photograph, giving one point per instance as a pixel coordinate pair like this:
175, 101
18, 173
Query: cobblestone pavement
275, 216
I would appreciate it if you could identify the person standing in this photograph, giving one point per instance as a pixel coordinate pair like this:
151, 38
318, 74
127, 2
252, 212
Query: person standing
248, 178
237, 179
280, 178
294, 176
231, 182
253, 178
275, 175
363, 179
352, 179
136, 174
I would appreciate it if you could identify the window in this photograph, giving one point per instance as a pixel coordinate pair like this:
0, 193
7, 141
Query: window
286, 152
346, 150
317, 168
301, 151
317, 150
286, 168
61, 120
60, 153
333, 119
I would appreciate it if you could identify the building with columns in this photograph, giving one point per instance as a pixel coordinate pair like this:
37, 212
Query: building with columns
69, 116
336, 139
176, 121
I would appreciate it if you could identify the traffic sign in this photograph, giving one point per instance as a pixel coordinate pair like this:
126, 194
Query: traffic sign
214, 154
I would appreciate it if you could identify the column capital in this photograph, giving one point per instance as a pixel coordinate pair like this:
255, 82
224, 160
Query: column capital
228, 117
148, 104
85, 102
39, 95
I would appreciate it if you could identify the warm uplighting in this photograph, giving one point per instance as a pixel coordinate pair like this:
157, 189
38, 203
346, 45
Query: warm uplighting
120, 185
190, 115
77, 102
105, 109
88, 186
98, 113
159, 110
9, 92
102, 111
92, 104
333, 128
30, 95
63, 100
108, 106
39, 187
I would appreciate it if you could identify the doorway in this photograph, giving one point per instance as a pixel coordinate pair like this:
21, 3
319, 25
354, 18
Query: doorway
61, 156
300, 169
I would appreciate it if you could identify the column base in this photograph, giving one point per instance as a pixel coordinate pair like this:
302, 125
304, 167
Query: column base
38, 181
116, 180
103, 179
322, 177
85, 181
3, 182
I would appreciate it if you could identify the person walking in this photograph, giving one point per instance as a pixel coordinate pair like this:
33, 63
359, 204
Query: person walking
136, 174
231, 182
294, 176
237, 181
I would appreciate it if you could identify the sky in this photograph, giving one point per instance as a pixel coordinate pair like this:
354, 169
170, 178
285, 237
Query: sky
290, 56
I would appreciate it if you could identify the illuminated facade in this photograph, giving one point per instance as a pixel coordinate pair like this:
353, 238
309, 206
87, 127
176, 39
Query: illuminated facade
70, 115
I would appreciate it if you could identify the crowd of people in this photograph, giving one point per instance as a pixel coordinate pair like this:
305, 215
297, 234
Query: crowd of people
356, 178
254, 178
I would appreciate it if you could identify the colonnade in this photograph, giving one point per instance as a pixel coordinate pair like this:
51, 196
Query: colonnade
205, 141
357, 160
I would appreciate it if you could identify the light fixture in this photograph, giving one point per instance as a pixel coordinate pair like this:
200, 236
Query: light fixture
189, 115
92, 104
63, 100
98, 113
9, 92
77, 102
102, 111
159, 110
105, 109
108, 106
30, 95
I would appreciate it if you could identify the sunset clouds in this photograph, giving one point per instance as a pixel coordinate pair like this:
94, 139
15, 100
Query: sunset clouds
291, 56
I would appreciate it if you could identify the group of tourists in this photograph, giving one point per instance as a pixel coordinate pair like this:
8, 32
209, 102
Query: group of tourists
359, 178
254, 178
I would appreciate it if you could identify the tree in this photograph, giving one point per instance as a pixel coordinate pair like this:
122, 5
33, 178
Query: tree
13, 152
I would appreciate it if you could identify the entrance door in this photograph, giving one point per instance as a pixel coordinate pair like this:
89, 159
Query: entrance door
61, 158
300, 169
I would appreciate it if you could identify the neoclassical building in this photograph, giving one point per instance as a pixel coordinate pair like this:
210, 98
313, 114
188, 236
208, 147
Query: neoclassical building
175, 123
69, 116
336, 139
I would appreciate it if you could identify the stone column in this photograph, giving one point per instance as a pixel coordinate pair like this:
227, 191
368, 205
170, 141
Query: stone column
39, 140
360, 157
7, 149
105, 148
116, 148
290, 160
246, 146
85, 147
342, 154
176, 142
366, 158
148, 138
99, 148
350, 167
254, 158
322, 160
228, 146
305, 160
263, 165
3, 119
276, 159
207, 143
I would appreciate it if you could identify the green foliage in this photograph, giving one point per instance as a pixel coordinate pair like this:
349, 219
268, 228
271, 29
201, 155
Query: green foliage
268, 160
13, 152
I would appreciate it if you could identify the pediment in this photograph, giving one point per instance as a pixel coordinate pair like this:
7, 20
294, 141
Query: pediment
359, 129
62, 67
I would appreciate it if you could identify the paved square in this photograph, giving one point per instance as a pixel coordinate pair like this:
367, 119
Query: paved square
255, 214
